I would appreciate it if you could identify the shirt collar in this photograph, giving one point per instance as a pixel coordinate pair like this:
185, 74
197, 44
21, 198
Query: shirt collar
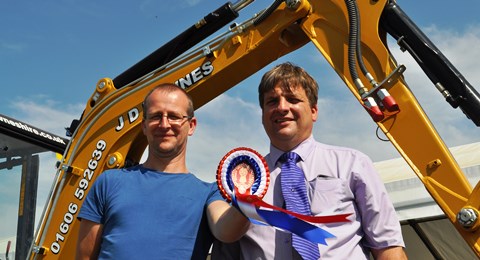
303, 149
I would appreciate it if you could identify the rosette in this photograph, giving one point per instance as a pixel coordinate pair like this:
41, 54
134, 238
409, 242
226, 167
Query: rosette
243, 178
243, 171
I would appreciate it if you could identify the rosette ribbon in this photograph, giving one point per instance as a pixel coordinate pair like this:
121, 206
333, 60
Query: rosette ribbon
262, 213
243, 178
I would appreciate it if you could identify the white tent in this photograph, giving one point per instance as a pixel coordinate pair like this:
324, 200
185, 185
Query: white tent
427, 232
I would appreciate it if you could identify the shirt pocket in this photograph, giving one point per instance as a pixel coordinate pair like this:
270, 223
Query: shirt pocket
327, 195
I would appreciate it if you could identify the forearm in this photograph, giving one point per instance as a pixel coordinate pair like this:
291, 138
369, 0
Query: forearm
389, 253
227, 224
88, 244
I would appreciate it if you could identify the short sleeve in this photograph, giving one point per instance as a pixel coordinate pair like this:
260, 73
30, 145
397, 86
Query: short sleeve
214, 193
93, 206
379, 220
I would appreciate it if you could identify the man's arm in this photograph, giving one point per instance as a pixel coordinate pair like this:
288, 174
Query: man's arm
379, 218
226, 222
89, 238
394, 253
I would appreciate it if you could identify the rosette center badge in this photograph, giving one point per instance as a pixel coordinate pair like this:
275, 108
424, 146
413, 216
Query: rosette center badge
242, 171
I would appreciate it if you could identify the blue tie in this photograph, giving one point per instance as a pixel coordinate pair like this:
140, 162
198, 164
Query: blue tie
296, 199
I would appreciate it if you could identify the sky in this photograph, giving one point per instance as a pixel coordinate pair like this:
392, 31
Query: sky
52, 53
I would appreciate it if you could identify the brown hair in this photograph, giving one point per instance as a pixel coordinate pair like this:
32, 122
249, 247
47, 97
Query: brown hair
289, 76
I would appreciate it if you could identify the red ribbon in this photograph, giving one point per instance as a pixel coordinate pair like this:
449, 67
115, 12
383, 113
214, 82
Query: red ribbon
257, 202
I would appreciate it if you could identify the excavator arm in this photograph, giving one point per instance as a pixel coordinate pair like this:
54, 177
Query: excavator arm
349, 35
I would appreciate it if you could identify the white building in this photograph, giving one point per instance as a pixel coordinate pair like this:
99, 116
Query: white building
427, 232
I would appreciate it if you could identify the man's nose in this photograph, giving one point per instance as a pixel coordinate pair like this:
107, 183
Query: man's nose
283, 104
164, 121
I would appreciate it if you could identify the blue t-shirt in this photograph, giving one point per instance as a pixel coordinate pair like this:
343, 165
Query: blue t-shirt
150, 215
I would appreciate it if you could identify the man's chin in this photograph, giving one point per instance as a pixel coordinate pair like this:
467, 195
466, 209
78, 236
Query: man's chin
285, 136
284, 132
165, 148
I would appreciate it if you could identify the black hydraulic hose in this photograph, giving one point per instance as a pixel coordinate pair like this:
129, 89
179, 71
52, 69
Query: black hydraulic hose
352, 38
184, 41
361, 63
267, 12
353, 12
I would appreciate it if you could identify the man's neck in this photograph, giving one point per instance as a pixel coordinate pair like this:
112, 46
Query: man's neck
287, 146
175, 165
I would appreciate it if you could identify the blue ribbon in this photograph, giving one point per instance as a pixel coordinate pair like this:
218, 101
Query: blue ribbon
295, 225
287, 222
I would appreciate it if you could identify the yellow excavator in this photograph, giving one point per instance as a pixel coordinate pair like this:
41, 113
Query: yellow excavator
352, 37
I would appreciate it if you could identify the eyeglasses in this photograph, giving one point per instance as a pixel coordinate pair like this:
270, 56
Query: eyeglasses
173, 119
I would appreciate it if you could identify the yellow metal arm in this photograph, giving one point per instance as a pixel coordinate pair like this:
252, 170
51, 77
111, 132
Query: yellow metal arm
109, 134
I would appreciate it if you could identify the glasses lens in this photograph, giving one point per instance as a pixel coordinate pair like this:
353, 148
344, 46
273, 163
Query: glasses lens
174, 119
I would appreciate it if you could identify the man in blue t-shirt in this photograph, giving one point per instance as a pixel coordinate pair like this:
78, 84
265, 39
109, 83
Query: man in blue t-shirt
157, 210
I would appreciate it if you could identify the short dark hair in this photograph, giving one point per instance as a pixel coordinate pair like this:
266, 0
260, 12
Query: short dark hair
289, 76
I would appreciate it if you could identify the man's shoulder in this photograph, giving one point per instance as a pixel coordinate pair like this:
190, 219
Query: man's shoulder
137, 167
339, 149
194, 180
118, 174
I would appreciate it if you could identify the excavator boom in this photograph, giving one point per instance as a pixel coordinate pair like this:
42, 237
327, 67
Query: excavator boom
352, 38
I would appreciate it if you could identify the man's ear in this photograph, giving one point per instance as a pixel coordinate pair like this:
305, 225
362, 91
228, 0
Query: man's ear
314, 110
193, 124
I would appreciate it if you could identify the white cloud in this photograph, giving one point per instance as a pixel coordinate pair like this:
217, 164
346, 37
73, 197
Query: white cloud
46, 113
226, 122
16, 47
345, 123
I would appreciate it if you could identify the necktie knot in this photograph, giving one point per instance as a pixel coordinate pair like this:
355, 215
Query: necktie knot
289, 157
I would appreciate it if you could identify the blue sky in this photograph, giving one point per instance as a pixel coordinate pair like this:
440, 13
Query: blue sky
52, 53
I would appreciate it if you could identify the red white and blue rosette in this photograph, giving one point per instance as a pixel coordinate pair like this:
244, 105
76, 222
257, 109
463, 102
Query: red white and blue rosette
243, 178
243, 171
